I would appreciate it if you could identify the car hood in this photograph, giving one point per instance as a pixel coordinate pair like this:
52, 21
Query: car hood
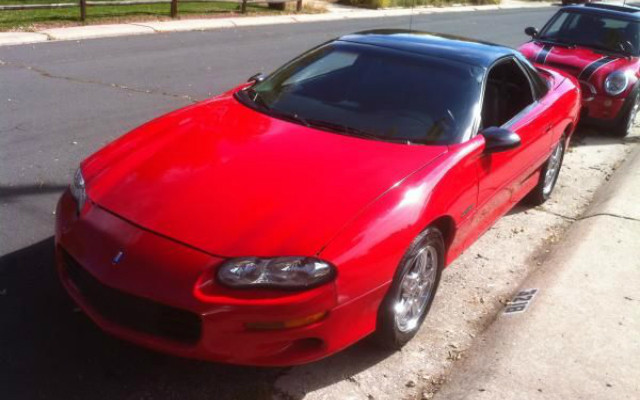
581, 62
228, 180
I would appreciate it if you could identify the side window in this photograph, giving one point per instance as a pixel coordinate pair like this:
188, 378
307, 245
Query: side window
507, 92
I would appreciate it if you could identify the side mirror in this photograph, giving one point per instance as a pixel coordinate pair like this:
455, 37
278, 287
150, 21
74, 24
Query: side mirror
257, 78
499, 139
531, 31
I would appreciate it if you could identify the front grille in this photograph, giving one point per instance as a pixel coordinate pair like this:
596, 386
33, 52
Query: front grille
134, 312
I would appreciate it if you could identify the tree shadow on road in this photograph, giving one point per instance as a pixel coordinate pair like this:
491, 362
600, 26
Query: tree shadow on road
10, 193
51, 350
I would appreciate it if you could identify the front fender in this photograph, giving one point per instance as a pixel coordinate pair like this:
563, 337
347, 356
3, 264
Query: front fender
368, 250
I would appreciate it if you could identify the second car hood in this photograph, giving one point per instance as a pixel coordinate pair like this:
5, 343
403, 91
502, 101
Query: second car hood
579, 61
233, 182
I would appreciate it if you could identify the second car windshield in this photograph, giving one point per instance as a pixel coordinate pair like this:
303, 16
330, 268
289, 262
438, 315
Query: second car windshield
595, 31
377, 93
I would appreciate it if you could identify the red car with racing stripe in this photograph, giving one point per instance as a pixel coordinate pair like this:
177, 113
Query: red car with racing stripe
600, 45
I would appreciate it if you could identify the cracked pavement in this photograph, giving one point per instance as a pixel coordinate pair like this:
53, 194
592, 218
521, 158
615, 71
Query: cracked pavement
61, 101
47, 74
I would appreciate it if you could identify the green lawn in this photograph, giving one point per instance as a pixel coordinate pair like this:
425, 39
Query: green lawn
33, 19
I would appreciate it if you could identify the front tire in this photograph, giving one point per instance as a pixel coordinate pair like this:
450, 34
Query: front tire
412, 290
624, 127
548, 175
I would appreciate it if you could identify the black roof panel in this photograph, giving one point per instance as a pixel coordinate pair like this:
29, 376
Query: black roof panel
433, 44
612, 10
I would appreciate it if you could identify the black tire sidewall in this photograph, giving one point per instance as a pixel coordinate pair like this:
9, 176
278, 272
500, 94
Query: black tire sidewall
387, 332
626, 125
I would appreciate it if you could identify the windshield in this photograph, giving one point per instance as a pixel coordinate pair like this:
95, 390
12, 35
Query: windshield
373, 92
591, 30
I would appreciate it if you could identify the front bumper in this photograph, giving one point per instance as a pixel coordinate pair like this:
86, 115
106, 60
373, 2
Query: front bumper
151, 297
602, 109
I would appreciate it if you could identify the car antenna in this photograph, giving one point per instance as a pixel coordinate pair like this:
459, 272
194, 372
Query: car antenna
413, 5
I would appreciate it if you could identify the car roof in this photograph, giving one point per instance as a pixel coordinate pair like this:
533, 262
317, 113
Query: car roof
448, 47
610, 10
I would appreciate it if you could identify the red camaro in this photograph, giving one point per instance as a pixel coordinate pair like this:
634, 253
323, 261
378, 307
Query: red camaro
290, 217
600, 45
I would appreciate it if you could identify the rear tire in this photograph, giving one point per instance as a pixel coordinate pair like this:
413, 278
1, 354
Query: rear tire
412, 290
548, 175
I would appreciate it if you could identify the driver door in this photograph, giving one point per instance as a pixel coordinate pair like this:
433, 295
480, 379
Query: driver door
509, 102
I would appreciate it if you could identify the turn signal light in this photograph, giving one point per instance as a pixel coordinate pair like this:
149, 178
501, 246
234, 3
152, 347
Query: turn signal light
292, 323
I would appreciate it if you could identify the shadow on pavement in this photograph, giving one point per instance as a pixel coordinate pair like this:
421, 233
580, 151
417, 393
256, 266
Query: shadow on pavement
50, 350
589, 136
11, 192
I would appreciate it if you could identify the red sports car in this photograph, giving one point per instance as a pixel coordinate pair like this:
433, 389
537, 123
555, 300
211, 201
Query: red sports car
298, 213
600, 45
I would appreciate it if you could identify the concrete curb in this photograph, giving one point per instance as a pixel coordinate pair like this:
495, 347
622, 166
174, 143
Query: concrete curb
578, 338
620, 198
11, 38
142, 28
96, 31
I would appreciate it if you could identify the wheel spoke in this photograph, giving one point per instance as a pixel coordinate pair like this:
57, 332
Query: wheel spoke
420, 264
415, 307
401, 309
407, 284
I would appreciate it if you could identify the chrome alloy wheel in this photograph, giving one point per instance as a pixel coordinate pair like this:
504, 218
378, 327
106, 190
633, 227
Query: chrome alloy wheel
553, 168
416, 288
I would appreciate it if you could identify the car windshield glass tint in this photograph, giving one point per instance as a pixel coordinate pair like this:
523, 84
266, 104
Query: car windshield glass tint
595, 31
372, 92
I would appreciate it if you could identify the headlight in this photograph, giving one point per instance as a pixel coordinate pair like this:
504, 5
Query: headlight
616, 83
280, 272
78, 190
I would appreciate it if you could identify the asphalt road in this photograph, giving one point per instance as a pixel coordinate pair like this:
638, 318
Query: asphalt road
59, 102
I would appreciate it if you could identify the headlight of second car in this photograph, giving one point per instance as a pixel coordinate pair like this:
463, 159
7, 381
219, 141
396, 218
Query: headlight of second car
616, 83
280, 272
78, 189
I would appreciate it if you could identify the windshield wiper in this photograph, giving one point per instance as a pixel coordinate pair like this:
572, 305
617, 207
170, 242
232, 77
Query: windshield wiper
606, 50
556, 42
571, 45
344, 129
288, 116
259, 102
256, 98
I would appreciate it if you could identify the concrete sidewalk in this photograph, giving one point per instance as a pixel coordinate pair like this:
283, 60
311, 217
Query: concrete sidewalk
182, 25
580, 336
